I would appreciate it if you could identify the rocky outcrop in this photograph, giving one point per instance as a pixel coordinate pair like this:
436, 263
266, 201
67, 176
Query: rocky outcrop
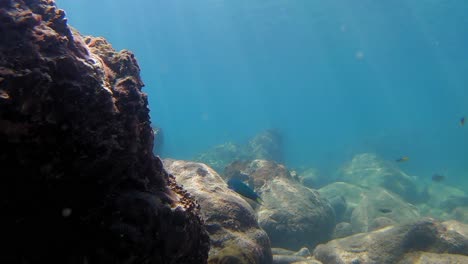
292, 214
80, 182
231, 222
398, 244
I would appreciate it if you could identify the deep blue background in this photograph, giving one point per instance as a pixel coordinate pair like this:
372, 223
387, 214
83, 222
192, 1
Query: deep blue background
337, 77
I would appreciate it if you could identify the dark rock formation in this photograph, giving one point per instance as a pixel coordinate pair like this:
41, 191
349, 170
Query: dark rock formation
232, 224
79, 181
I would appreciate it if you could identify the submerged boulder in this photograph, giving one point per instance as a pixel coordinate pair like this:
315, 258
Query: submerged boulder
231, 222
80, 183
391, 244
379, 208
351, 194
284, 256
292, 214
367, 170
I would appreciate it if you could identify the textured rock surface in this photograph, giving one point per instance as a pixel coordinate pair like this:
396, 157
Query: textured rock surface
378, 203
342, 229
351, 193
284, 256
433, 258
368, 170
389, 245
312, 178
80, 182
292, 214
221, 156
267, 145
232, 224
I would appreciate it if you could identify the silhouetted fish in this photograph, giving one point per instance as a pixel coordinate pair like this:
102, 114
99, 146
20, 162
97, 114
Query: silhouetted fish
402, 159
462, 121
241, 188
438, 178
385, 210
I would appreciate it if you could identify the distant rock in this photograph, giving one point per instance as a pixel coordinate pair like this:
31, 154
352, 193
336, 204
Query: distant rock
400, 243
231, 222
267, 145
444, 202
292, 214
377, 203
312, 178
445, 197
339, 205
351, 194
367, 170
367, 209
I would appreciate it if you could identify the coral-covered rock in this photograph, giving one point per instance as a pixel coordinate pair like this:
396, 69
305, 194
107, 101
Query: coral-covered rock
390, 244
292, 214
79, 181
231, 222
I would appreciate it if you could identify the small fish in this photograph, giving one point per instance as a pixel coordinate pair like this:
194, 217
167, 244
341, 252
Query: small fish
241, 188
402, 159
462, 121
385, 210
438, 178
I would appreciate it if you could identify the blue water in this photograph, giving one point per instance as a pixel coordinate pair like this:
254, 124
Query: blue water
336, 77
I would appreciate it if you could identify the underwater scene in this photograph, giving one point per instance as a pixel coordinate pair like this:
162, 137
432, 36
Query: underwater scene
234, 131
